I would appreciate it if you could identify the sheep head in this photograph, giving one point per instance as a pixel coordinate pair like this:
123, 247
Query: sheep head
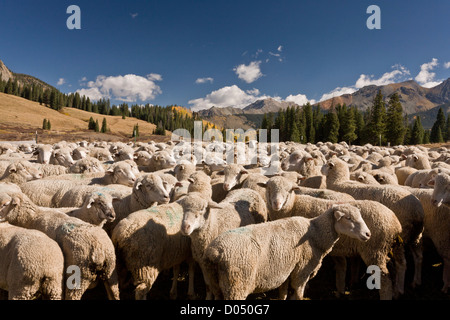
196, 210
349, 222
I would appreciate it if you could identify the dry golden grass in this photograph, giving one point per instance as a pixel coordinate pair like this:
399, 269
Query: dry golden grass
21, 118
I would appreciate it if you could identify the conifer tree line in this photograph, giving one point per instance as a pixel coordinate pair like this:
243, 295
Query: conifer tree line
166, 118
382, 124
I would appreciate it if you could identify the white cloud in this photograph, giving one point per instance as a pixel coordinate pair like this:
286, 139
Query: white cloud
61, 81
447, 65
399, 73
337, 92
280, 48
389, 77
249, 73
83, 79
299, 99
93, 94
128, 88
426, 78
228, 96
134, 15
204, 80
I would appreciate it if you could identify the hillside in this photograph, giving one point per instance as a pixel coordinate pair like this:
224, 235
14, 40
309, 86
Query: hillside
414, 98
23, 79
21, 118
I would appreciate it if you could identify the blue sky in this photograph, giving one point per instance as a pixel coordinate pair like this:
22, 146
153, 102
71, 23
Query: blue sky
203, 53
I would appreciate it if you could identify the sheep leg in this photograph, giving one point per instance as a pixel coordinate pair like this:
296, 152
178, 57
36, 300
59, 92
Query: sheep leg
283, 290
416, 250
340, 265
174, 288
145, 277
400, 270
446, 275
112, 286
298, 283
191, 272
76, 294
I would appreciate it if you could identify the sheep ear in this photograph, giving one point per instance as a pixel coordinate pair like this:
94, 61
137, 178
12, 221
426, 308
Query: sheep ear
330, 164
178, 184
337, 214
12, 169
190, 180
182, 166
415, 157
220, 173
262, 184
431, 182
214, 205
110, 171
90, 203
243, 171
138, 185
295, 187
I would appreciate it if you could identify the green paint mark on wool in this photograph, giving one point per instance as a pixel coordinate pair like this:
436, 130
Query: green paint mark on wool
68, 227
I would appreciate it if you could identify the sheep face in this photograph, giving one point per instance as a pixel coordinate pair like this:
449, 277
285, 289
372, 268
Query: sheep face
350, 223
292, 162
233, 174
164, 160
278, 191
195, 212
123, 172
102, 205
22, 172
152, 189
43, 154
441, 192
62, 157
142, 158
87, 165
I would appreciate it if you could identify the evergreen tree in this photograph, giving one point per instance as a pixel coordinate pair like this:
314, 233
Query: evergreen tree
295, 134
447, 129
439, 127
377, 117
417, 132
331, 128
44, 124
426, 136
97, 127
395, 130
49, 125
91, 124
349, 127
135, 131
104, 128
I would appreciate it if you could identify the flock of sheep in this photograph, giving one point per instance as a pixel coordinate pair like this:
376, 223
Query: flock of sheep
121, 214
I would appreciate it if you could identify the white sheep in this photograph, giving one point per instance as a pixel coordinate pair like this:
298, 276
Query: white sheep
20, 172
62, 156
284, 201
406, 206
97, 209
441, 189
204, 220
153, 235
262, 257
83, 245
31, 264
436, 227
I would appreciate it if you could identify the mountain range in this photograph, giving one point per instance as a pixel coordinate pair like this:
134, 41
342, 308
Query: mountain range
415, 99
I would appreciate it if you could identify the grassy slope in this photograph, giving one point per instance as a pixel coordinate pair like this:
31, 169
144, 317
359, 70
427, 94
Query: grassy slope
20, 117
